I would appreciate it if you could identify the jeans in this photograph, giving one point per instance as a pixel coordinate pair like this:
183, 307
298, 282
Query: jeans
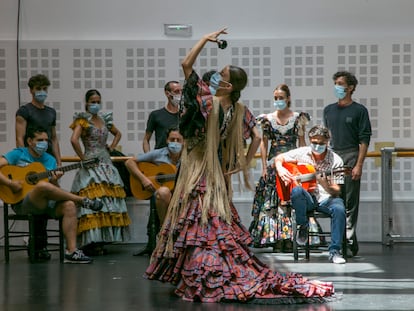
303, 203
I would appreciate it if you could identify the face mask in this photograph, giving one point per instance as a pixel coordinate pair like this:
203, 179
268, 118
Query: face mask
94, 108
215, 80
176, 100
280, 104
174, 147
339, 91
41, 147
40, 96
318, 148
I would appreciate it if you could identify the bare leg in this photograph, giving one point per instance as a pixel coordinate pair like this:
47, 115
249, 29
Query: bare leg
163, 198
45, 191
67, 210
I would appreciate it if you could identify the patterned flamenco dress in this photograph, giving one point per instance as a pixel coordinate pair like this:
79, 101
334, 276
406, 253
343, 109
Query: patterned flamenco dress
102, 181
202, 247
271, 224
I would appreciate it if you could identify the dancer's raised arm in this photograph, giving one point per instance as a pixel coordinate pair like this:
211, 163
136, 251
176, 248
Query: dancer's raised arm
190, 58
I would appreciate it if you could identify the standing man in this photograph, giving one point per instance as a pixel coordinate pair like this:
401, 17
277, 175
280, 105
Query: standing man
33, 115
37, 114
161, 120
350, 127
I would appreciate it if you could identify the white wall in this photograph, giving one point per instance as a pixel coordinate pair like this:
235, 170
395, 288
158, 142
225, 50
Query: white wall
143, 20
120, 48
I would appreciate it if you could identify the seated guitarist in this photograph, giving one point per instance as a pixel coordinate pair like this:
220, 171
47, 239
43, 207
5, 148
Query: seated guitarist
46, 198
324, 196
162, 196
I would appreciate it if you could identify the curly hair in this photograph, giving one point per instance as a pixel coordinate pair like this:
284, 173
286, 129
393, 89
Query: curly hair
38, 80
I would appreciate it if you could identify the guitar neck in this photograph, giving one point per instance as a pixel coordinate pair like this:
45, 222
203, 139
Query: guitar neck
312, 176
66, 168
164, 178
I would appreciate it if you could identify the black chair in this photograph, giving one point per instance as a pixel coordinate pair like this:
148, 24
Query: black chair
11, 234
323, 233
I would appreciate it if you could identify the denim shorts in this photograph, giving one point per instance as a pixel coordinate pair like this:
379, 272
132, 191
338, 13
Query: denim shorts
26, 207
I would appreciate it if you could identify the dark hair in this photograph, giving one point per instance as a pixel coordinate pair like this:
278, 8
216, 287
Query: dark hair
238, 79
38, 80
32, 131
90, 93
167, 87
319, 130
284, 88
349, 77
207, 75
172, 129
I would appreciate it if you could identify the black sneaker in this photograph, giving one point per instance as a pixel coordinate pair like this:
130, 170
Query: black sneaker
77, 257
42, 255
95, 204
302, 235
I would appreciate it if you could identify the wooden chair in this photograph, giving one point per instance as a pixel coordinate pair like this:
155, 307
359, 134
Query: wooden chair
11, 235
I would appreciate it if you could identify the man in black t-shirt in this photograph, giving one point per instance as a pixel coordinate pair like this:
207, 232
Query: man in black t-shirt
36, 114
350, 127
161, 120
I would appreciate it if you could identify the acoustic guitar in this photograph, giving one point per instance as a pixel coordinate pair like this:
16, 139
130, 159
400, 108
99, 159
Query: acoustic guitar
159, 174
304, 175
30, 175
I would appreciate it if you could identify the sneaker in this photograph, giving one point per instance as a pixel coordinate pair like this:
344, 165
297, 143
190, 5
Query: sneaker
335, 257
95, 204
42, 255
77, 257
302, 235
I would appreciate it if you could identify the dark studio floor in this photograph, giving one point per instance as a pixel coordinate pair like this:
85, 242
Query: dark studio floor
380, 278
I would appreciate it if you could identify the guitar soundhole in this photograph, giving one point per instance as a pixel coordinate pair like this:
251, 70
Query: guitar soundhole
31, 178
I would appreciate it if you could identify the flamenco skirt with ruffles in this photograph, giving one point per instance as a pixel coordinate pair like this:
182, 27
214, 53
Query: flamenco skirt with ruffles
111, 223
212, 263
271, 220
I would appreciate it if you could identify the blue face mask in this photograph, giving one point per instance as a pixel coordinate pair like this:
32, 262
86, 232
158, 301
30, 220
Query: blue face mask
215, 80
318, 148
94, 108
174, 147
40, 96
339, 91
41, 147
280, 104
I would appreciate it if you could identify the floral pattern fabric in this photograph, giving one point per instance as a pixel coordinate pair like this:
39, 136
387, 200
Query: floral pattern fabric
271, 218
102, 181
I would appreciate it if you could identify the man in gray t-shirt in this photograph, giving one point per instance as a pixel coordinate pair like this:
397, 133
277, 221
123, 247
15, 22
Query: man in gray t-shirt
143, 184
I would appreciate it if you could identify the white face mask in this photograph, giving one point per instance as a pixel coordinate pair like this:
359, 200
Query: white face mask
176, 99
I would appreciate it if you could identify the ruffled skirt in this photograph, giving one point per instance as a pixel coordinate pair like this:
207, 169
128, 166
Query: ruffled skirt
212, 263
111, 223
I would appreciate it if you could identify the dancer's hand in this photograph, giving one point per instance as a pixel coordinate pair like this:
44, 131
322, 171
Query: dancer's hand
214, 35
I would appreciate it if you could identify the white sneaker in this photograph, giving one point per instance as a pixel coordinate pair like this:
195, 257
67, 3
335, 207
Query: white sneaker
336, 258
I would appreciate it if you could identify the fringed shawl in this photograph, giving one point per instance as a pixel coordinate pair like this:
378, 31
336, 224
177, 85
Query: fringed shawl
202, 162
